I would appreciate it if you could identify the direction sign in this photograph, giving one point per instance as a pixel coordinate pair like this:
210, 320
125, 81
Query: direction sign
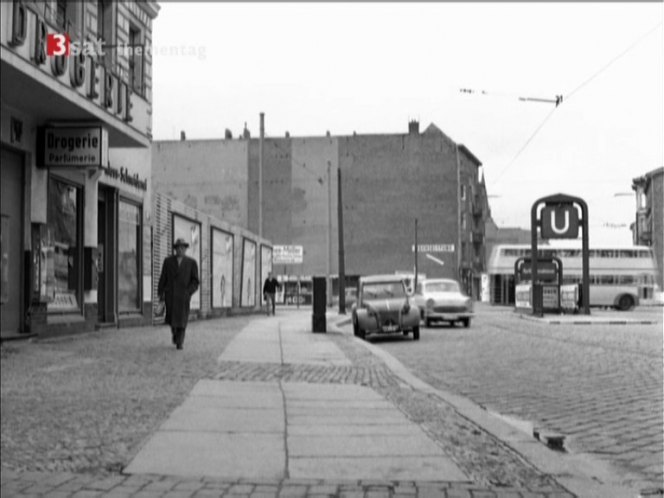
287, 255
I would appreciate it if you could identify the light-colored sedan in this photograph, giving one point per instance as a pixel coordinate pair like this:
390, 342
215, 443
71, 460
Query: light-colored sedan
442, 300
383, 307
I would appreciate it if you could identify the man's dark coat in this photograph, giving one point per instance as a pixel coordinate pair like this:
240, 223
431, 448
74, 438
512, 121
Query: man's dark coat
177, 284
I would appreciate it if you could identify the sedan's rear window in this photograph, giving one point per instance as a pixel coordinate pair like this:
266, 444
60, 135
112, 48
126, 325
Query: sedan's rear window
383, 290
442, 287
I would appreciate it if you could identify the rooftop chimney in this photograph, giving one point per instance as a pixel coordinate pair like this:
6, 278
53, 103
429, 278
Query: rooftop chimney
413, 127
183, 136
228, 134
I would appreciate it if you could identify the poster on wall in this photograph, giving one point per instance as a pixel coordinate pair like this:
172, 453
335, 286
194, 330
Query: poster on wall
222, 269
266, 263
191, 232
248, 292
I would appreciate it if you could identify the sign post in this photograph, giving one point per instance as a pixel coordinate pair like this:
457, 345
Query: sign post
559, 219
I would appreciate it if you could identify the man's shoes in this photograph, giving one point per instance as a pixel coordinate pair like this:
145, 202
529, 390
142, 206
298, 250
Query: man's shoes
179, 346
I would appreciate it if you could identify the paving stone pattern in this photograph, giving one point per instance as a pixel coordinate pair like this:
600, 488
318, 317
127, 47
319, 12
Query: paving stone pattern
600, 385
76, 410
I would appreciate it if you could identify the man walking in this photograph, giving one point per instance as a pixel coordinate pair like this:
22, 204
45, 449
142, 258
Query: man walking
269, 289
178, 282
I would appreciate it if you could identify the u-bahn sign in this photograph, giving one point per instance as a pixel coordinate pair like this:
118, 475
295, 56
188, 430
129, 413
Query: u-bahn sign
558, 218
560, 221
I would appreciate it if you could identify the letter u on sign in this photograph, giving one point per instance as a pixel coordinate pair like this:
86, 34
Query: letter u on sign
560, 222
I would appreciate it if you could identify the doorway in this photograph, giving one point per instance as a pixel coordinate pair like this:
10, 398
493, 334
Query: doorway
106, 247
11, 295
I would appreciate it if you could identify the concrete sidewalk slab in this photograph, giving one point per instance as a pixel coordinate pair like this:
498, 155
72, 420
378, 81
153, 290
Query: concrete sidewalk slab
296, 430
211, 454
205, 417
254, 393
270, 340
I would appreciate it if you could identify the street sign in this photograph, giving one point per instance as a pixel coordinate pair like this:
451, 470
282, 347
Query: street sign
560, 222
433, 248
287, 255
547, 271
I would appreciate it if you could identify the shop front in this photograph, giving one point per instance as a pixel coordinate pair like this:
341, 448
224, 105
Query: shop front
73, 233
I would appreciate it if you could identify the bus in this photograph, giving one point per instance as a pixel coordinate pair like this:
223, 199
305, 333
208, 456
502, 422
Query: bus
620, 277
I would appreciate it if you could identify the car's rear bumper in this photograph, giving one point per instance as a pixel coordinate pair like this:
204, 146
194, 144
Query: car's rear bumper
449, 317
371, 325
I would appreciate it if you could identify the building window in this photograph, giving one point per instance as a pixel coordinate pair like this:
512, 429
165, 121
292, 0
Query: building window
136, 57
62, 247
129, 261
463, 192
105, 30
68, 16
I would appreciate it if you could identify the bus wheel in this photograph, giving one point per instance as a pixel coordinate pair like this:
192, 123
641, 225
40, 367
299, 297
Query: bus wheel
625, 303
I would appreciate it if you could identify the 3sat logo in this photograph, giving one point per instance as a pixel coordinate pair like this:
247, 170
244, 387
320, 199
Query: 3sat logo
58, 44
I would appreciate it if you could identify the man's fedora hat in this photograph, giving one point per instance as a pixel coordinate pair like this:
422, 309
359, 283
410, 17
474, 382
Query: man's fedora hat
180, 242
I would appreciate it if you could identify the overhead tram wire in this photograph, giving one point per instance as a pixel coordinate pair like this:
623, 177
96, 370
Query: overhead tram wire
559, 98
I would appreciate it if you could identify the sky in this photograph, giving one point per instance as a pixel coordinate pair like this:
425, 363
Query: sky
372, 67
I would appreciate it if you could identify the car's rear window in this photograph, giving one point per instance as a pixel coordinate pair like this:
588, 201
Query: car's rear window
442, 287
383, 290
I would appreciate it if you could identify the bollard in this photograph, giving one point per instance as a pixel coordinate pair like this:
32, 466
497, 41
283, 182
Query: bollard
319, 305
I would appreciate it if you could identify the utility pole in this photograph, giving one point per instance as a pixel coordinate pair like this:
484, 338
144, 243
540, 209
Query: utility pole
329, 233
342, 266
260, 175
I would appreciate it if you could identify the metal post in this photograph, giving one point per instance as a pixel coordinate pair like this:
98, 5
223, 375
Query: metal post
342, 270
534, 225
585, 257
416, 249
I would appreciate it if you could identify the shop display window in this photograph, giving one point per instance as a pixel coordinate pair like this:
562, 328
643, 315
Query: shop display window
62, 247
129, 250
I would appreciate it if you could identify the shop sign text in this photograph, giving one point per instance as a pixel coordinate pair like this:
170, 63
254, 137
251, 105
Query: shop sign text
74, 147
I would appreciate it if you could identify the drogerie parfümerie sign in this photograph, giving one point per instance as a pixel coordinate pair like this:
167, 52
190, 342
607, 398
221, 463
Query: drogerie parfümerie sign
73, 147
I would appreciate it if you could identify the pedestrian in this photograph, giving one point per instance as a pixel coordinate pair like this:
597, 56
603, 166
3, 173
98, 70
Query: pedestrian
178, 282
269, 289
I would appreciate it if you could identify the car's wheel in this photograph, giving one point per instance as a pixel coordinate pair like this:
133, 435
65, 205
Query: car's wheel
466, 322
356, 328
416, 333
625, 303
361, 333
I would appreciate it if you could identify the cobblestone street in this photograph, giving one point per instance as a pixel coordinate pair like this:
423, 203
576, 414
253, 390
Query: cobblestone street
76, 410
599, 385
